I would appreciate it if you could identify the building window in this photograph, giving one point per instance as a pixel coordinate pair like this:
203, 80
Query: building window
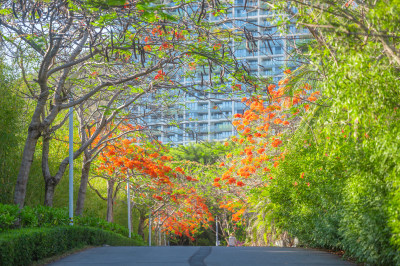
204, 117
216, 116
252, 64
191, 106
203, 106
268, 72
240, 52
278, 50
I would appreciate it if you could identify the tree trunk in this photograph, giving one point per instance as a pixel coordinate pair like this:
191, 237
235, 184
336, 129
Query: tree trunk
48, 178
65, 163
34, 132
50, 184
142, 219
26, 163
50, 181
50, 187
110, 200
84, 183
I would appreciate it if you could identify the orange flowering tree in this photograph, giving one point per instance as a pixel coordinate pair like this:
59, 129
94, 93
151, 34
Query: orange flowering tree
166, 191
112, 52
267, 123
101, 138
338, 186
206, 193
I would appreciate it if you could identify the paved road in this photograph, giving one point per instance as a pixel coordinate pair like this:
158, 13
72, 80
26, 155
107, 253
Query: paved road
199, 256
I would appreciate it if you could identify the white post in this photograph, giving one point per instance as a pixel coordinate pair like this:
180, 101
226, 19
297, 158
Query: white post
159, 236
129, 208
150, 228
71, 165
216, 231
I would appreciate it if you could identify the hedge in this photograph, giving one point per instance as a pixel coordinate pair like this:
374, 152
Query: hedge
11, 217
23, 246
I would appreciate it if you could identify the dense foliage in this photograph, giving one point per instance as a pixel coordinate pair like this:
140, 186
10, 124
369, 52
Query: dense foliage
10, 135
347, 150
11, 217
334, 178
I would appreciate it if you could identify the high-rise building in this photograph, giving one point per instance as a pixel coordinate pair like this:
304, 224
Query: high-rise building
209, 118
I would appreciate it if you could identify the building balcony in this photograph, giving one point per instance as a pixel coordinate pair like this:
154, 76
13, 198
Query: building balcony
203, 129
223, 108
221, 128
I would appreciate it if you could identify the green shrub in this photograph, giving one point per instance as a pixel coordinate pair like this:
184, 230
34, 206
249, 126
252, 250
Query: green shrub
22, 247
8, 216
340, 202
101, 223
11, 217
48, 216
28, 217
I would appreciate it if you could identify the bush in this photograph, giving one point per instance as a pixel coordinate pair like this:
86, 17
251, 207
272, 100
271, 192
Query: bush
48, 216
337, 198
11, 217
101, 223
22, 247
8, 216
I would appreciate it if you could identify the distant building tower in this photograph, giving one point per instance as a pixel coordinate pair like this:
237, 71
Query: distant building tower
210, 119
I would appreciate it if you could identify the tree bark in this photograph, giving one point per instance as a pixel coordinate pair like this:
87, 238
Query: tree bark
50, 188
64, 164
142, 219
84, 183
110, 200
50, 183
48, 178
27, 159
36, 128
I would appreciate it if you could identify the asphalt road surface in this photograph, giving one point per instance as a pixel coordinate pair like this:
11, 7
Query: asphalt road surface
199, 256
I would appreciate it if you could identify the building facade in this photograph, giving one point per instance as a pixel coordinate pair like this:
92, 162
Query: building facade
210, 118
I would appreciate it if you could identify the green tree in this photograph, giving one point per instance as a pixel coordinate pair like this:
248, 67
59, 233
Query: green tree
11, 125
339, 183
204, 153
87, 49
